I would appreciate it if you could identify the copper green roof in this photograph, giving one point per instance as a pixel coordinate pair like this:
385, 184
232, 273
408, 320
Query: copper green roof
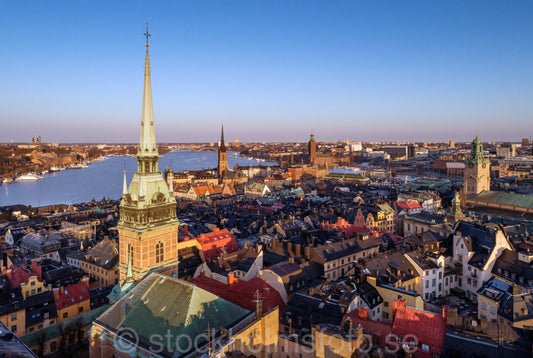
430, 183
165, 305
476, 154
504, 198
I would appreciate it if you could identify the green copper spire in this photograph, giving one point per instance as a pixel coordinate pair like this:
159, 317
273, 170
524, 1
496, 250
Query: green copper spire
476, 153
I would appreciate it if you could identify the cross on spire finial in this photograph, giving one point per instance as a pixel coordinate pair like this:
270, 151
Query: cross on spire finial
147, 34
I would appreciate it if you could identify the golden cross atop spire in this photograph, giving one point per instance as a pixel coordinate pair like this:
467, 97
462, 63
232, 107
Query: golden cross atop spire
147, 34
477, 132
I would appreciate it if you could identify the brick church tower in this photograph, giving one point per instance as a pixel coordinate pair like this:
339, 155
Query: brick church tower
148, 225
222, 156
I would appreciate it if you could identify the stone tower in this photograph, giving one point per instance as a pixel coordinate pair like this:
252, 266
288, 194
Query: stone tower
222, 156
312, 149
148, 225
477, 170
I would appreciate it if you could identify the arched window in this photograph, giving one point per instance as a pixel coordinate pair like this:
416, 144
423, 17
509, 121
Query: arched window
130, 254
159, 250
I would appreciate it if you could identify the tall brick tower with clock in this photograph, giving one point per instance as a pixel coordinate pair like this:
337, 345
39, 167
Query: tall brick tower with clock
477, 170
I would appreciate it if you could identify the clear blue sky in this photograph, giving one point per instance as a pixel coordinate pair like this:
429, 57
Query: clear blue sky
72, 71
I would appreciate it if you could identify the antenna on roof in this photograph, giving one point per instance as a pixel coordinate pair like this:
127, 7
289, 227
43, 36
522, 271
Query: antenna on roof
258, 304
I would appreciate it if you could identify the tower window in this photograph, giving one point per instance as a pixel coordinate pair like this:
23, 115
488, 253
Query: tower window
130, 253
159, 252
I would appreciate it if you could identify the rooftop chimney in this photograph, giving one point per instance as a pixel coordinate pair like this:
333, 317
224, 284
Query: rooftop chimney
232, 279
307, 252
297, 250
56, 294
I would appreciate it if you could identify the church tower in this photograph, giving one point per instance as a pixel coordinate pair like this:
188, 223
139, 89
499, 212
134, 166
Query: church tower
312, 149
477, 170
222, 156
148, 225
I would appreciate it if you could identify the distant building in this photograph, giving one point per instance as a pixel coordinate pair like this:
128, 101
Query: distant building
397, 152
222, 156
477, 170
506, 150
314, 157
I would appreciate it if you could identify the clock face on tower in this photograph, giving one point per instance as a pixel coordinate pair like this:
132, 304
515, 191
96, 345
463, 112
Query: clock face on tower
471, 165
484, 165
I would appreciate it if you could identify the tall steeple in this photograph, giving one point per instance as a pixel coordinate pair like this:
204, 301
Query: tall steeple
222, 156
147, 153
222, 144
148, 225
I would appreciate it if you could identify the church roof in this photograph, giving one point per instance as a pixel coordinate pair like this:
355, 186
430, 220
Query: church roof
501, 197
164, 305
243, 293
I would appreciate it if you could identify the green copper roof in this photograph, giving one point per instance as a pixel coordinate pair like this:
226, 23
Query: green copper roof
164, 305
501, 197
476, 154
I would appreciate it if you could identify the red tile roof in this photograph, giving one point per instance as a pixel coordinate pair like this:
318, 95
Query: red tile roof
214, 243
18, 275
408, 204
349, 230
429, 329
242, 293
72, 294
380, 330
